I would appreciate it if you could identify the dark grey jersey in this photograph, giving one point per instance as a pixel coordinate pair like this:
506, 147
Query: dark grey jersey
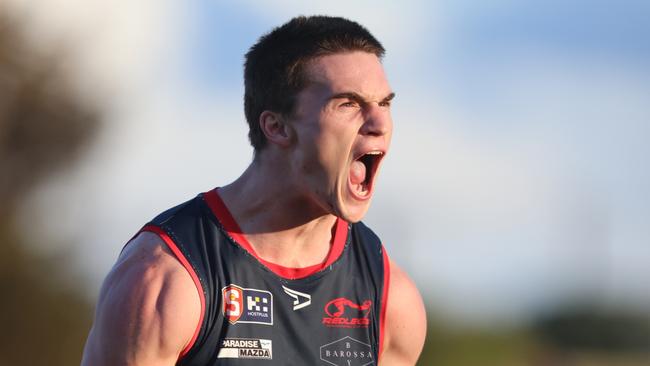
258, 313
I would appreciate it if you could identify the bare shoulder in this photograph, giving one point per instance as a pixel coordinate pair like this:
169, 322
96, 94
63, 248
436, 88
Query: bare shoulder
406, 323
148, 308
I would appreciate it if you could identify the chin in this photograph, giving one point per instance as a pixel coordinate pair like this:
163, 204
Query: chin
352, 213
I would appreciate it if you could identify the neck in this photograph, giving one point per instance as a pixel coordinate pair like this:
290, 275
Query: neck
282, 224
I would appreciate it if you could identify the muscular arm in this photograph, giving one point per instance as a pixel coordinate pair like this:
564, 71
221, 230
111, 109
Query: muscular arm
148, 309
406, 323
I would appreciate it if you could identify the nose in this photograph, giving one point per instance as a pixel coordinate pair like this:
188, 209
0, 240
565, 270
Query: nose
377, 120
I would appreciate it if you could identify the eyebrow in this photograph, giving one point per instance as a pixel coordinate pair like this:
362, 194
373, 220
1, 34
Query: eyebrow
358, 98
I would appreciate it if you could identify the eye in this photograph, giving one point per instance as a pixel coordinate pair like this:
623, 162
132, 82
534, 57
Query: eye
349, 104
385, 103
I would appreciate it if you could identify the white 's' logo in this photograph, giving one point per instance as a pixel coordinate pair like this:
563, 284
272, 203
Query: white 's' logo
297, 297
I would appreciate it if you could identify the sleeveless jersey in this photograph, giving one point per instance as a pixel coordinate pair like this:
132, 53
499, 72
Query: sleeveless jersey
254, 312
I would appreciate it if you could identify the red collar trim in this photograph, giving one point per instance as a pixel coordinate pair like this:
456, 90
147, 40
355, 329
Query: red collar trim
222, 214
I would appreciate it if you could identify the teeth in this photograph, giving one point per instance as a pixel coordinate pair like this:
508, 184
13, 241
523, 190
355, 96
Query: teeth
371, 153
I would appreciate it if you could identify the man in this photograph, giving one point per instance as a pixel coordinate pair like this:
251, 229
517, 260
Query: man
275, 268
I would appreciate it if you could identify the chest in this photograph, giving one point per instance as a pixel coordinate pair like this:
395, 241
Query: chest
258, 318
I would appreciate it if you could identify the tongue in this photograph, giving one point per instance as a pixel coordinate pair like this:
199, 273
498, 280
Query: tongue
357, 172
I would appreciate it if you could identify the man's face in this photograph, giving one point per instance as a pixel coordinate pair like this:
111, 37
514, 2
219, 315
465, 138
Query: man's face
343, 129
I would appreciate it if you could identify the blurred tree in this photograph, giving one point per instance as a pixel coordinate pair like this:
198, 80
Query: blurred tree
43, 126
450, 345
567, 336
584, 327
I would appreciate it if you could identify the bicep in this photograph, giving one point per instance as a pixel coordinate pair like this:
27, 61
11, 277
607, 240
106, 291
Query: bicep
146, 313
406, 321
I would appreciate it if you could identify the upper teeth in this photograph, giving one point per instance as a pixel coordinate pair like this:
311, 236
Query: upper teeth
374, 153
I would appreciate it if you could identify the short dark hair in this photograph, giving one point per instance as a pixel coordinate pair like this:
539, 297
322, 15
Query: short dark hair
274, 66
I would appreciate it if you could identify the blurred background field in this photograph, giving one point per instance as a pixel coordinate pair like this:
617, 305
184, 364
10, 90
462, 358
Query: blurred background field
516, 194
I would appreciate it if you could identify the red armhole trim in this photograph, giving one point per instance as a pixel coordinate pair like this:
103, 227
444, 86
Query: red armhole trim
221, 212
384, 300
181, 258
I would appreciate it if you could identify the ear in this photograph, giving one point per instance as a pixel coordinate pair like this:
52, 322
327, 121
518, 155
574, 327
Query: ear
275, 128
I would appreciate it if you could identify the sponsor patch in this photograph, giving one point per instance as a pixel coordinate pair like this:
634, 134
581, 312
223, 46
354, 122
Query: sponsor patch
246, 348
344, 313
247, 305
300, 299
347, 351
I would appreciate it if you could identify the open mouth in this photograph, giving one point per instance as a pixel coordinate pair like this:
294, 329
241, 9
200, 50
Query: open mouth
362, 173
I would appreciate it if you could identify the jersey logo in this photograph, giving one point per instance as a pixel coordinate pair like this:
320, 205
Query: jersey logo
246, 348
344, 313
347, 351
247, 305
300, 300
